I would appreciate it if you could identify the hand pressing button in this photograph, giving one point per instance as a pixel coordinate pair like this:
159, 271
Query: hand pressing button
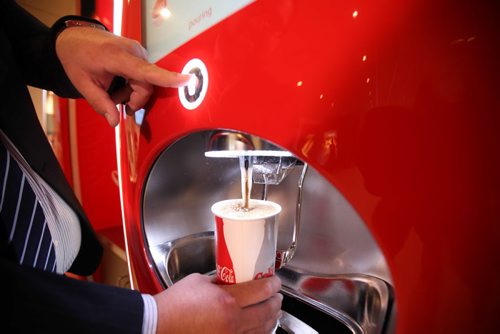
193, 94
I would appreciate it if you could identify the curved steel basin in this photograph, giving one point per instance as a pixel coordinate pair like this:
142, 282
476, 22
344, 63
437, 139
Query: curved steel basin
316, 303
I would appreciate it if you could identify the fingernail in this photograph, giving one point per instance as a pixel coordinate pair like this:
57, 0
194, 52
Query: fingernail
110, 119
186, 78
129, 110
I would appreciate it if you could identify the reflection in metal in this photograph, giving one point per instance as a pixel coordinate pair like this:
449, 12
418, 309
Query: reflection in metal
132, 134
291, 324
362, 303
223, 140
284, 256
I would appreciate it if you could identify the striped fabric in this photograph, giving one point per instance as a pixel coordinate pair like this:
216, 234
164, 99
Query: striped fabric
23, 218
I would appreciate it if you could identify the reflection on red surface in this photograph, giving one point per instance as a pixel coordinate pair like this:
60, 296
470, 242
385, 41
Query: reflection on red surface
318, 285
56, 120
393, 99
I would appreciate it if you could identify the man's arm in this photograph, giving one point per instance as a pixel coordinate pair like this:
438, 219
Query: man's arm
45, 302
37, 301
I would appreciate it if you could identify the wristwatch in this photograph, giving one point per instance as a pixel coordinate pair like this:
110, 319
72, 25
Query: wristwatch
79, 23
75, 21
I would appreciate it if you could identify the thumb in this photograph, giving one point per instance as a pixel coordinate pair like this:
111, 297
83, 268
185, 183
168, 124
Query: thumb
254, 291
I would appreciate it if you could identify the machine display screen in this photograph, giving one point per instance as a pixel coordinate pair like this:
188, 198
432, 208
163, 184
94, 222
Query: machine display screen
167, 24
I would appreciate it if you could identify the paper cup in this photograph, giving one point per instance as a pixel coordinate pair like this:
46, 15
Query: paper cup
245, 241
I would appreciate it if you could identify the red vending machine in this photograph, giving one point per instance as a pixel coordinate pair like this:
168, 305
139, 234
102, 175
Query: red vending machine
382, 121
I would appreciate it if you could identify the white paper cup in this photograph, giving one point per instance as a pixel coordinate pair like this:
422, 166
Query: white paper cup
245, 241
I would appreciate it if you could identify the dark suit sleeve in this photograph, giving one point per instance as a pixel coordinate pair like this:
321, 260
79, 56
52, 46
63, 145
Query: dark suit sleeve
39, 302
33, 301
33, 46
27, 56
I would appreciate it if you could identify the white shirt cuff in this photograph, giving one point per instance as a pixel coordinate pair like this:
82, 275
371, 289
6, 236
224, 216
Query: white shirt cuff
150, 318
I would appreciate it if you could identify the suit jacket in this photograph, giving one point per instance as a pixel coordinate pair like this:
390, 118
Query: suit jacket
38, 301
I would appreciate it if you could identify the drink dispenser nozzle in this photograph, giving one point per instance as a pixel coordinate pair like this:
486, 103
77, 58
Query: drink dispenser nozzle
262, 163
269, 163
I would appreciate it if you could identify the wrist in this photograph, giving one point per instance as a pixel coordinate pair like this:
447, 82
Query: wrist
57, 67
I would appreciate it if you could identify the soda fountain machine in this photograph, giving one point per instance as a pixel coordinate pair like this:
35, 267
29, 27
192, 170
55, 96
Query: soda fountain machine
372, 123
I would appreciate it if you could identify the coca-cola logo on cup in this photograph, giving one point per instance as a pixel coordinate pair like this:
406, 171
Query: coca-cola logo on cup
226, 274
268, 273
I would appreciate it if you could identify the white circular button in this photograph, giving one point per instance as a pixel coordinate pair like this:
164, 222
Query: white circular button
193, 94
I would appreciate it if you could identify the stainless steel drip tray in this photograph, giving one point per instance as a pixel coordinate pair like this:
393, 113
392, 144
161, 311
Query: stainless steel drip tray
335, 303
361, 303
178, 258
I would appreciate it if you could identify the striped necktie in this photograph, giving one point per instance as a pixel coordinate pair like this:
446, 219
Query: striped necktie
22, 216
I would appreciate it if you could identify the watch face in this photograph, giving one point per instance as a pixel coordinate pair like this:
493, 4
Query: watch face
167, 24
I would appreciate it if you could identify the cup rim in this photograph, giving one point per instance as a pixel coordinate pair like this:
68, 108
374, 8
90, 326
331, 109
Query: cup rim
220, 203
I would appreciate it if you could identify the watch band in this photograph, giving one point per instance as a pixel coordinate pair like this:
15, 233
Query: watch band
79, 23
74, 21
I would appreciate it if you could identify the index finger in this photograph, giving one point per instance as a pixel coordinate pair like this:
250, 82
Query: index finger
141, 70
255, 291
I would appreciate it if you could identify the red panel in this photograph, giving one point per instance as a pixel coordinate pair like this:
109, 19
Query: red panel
97, 153
415, 124
97, 168
104, 12
131, 21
